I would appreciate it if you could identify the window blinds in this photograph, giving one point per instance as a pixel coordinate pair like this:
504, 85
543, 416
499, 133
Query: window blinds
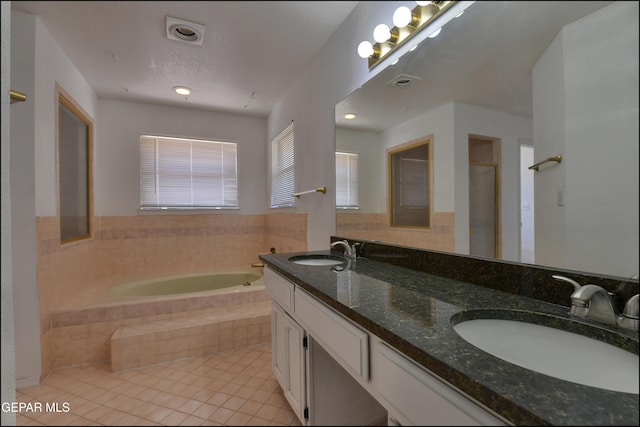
282, 172
346, 180
187, 173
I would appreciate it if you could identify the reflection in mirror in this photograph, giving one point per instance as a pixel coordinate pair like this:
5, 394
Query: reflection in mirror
409, 185
484, 197
561, 77
346, 180
418, 307
74, 131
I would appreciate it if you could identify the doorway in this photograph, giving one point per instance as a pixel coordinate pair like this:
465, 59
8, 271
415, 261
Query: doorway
484, 196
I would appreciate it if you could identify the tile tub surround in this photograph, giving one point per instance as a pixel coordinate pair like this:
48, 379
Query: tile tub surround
222, 329
83, 336
130, 248
375, 226
412, 310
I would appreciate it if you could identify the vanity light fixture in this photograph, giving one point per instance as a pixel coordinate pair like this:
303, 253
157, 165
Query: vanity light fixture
182, 90
407, 23
403, 16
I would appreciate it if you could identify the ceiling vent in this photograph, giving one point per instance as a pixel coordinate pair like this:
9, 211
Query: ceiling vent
403, 80
184, 31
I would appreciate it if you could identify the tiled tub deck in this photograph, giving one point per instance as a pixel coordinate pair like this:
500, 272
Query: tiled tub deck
140, 333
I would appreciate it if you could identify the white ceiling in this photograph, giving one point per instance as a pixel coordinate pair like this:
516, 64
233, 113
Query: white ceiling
252, 50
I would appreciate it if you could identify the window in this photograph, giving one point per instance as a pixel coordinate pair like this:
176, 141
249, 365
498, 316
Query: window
74, 151
346, 180
282, 173
180, 173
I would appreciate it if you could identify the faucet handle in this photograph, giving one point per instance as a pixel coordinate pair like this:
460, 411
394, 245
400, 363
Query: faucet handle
575, 284
355, 249
629, 318
631, 308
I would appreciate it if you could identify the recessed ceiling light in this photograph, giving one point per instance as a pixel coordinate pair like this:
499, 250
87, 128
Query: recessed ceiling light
185, 31
350, 116
403, 80
182, 90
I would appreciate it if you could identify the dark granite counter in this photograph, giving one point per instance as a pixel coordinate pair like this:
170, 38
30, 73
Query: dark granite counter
412, 310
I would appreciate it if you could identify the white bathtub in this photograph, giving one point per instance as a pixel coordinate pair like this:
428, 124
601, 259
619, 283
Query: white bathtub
186, 285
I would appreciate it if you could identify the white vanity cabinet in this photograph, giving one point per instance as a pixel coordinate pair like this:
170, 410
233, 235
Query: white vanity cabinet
347, 343
415, 397
321, 377
288, 358
333, 372
288, 343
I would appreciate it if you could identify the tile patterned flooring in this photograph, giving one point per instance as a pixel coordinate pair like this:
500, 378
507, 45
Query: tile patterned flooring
231, 388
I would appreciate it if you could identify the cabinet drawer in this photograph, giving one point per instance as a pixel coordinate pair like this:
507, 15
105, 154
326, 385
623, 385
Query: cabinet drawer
415, 397
280, 289
343, 340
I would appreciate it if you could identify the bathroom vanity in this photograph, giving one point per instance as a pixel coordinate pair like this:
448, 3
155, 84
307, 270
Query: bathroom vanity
371, 342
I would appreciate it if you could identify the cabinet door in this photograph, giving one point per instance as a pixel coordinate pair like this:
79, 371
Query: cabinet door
288, 358
278, 348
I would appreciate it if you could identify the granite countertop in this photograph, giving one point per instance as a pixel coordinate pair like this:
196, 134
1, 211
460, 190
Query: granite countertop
412, 311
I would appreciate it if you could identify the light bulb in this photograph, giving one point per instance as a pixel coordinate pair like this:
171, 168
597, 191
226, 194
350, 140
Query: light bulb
402, 17
381, 33
365, 49
350, 116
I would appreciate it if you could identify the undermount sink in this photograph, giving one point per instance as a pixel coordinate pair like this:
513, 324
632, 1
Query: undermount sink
319, 260
552, 351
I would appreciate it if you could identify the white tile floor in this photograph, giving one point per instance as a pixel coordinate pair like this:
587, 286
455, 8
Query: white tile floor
231, 388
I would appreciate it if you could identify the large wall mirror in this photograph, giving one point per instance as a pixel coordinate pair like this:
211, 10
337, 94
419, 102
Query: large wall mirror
74, 130
534, 80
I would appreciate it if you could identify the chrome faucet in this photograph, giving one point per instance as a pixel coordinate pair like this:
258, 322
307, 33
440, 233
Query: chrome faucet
596, 303
593, 302
349, 251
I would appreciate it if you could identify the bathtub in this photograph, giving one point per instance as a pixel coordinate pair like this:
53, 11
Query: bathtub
180, 304
185, 285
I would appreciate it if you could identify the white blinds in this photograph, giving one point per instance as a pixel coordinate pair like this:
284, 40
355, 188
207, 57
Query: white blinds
282, 173
187, 173
346, 180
